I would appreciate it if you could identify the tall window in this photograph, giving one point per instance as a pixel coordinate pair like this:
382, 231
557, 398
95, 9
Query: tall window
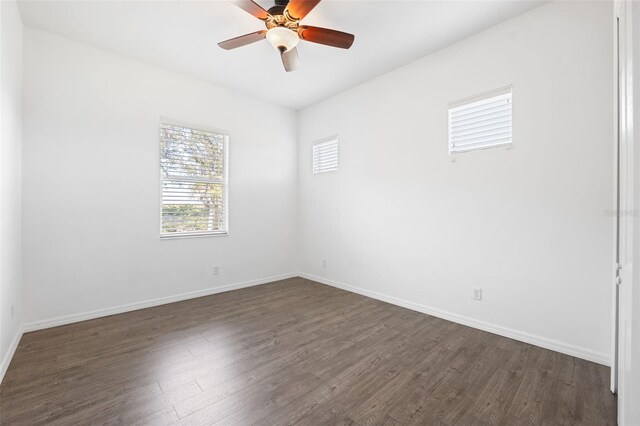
193, 166
481, 122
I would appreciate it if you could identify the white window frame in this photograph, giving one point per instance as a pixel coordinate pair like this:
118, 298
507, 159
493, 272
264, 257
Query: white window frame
505, 92
321, 142
225, 181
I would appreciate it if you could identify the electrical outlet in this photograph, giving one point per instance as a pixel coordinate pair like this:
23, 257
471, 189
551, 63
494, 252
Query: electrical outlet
324, 263
216, 270
477, 294
13, 311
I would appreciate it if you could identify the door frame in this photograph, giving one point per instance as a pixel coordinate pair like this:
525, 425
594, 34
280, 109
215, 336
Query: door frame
625, 365
616, 201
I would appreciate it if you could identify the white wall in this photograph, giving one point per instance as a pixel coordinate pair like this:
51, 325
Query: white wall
527, 225
91, 182
10, 178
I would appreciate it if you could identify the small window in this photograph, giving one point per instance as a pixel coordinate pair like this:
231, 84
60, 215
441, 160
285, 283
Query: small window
193, 166
481, 122
325, 155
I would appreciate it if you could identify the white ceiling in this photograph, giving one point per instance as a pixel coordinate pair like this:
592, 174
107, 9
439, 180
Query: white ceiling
182, 36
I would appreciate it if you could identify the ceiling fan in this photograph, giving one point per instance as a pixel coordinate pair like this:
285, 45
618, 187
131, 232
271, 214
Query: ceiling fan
284, 30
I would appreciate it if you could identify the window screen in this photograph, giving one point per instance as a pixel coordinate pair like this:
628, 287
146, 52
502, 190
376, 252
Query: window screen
193, 166
325, 155
481, 122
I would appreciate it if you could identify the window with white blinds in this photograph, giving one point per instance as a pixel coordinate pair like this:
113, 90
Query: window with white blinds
481, 122
325, 155
193, 167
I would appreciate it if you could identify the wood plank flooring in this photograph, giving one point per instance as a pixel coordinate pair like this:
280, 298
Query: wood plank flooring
293, 352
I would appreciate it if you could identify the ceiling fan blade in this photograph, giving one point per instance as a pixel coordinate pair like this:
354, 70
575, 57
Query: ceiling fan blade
243, 40
298, 9
253, 8
326, 36
290, 60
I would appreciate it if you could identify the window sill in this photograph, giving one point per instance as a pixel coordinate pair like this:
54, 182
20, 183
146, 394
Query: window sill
179, 236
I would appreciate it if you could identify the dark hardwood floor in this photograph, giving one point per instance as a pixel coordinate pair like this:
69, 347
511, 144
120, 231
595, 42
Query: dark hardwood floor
290, 352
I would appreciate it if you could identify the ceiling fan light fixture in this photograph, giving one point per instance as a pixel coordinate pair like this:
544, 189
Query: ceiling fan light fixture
282, 39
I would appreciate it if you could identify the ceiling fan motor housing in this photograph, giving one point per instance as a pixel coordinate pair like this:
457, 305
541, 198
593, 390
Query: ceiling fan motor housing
279, 8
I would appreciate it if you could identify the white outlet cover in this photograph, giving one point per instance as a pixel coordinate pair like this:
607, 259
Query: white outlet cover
477, 294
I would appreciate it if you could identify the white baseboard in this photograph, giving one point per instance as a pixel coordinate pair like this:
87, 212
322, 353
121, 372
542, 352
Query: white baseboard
543, 342
83, 316
6, 360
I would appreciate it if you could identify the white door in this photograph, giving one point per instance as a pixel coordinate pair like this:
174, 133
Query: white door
628, 224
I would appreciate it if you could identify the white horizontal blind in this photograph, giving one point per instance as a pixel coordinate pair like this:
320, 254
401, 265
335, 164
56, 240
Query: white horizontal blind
193, 166
482, 122
325, 155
